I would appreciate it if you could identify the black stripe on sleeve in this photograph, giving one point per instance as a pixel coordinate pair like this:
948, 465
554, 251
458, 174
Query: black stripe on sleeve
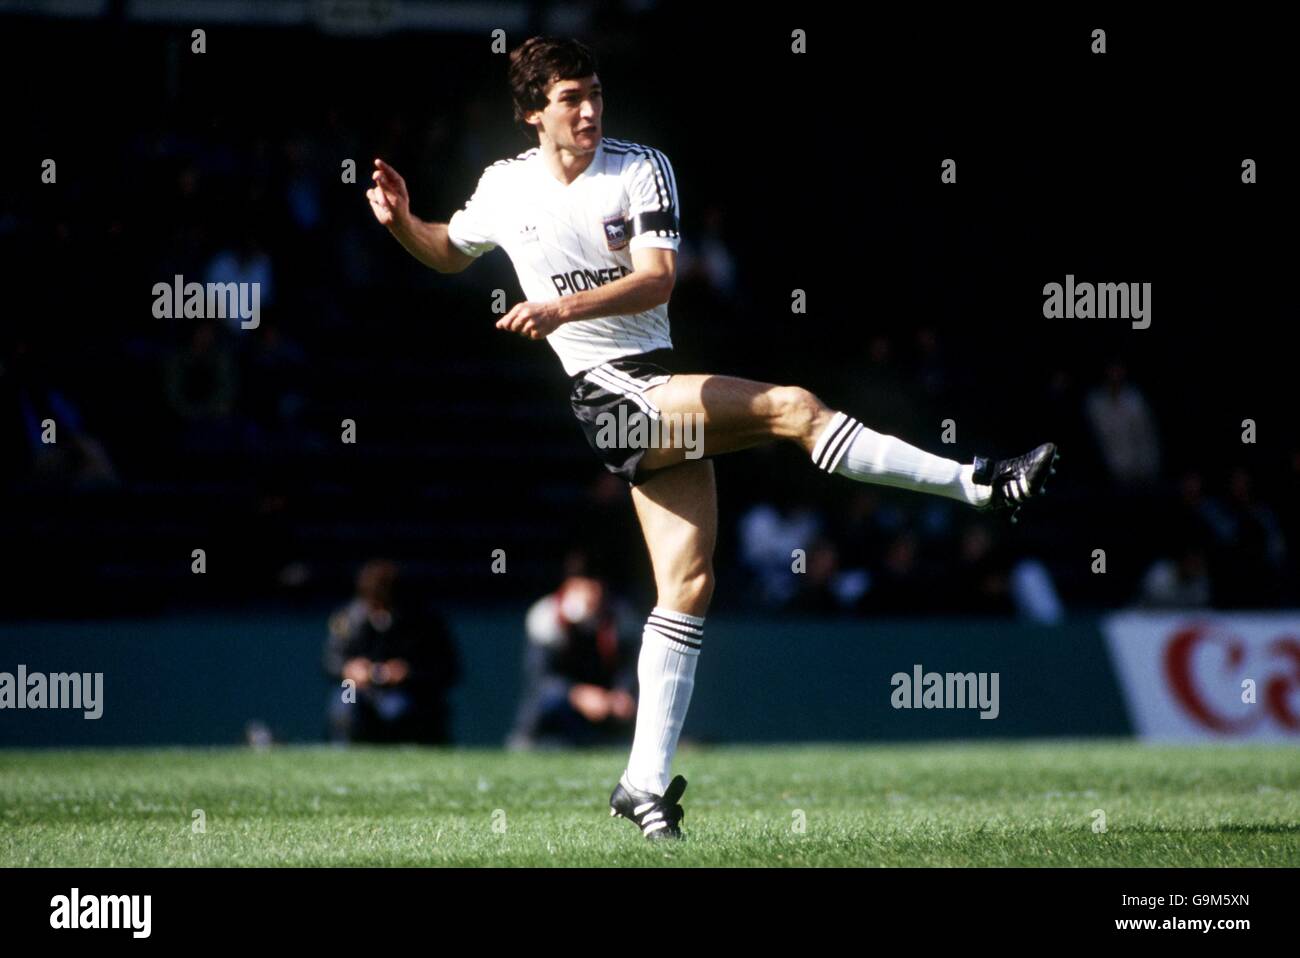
661, 181
654, 220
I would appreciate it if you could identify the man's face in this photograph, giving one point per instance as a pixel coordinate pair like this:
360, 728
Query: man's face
571, 117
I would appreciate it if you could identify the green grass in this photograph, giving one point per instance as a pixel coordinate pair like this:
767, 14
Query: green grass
935, 804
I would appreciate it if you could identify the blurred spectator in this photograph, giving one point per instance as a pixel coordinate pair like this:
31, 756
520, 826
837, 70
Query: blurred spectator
1060, 410
273, 384
303, 190
708, 258
1035, 594
982, 579
992, 581
933, 375
768, 538
1124, 428
824, 587
903, 586
1252, 565
77, 459
1201, 517
245, 262
402, 659
870, 520
201, 379
890, 394
605, 538
1181, 583
74, 458
258, 735
580, 665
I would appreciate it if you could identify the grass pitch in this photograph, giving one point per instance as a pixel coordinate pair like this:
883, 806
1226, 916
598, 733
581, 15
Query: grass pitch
894, 805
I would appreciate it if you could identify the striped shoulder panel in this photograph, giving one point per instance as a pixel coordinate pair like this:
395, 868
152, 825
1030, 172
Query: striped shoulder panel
526, 155
666, 179
612, 143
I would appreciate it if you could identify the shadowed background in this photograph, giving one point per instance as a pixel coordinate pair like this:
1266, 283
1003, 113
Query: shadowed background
817, 172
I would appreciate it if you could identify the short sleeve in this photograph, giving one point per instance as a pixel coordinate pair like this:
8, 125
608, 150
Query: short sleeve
472, 230
652, 202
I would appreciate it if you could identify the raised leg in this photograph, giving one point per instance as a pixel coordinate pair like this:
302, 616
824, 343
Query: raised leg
736, 414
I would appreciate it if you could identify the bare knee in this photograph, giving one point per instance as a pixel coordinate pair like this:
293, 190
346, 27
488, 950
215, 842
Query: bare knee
689, 593
798, 413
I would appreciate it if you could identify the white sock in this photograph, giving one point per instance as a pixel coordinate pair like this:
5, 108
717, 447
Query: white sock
851, 449
670, 646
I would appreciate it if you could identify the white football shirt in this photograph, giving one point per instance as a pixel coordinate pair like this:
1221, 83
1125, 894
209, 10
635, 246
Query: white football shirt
566, 239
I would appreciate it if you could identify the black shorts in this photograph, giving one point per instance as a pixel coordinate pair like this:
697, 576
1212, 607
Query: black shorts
611, 395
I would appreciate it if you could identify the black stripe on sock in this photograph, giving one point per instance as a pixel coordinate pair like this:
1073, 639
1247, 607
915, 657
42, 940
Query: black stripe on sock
844, 447
685, 626
682, 647
689, 643
828, 454
668, 634
676, 629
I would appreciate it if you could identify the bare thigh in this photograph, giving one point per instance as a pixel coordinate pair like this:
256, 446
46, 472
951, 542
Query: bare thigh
731, 414
678, 511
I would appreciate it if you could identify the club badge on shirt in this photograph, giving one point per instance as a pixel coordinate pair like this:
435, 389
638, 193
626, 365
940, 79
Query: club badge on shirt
615, 231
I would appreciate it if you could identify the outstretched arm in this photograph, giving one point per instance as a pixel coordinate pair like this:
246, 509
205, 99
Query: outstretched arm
648, 285
427, 242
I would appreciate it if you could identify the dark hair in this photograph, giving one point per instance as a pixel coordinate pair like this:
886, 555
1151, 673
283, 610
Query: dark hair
377, 582
539, 62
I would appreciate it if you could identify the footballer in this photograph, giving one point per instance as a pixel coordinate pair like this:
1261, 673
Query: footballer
591, 225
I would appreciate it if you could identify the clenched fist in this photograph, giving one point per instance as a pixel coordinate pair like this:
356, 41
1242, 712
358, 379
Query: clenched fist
533, 320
